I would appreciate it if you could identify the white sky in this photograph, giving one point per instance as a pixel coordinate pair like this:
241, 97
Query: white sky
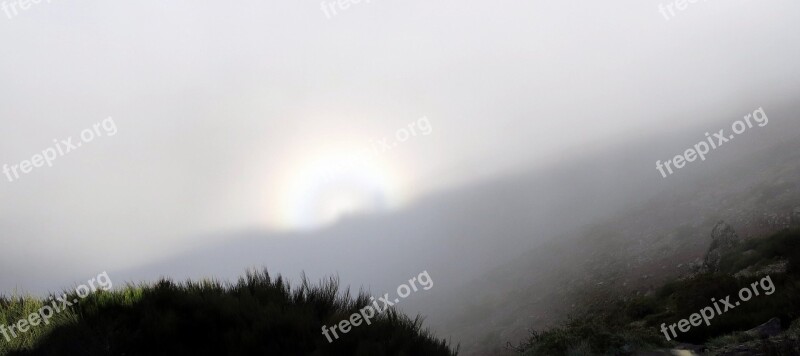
217, 103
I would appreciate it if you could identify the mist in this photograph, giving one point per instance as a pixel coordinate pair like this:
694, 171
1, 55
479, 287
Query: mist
525, 123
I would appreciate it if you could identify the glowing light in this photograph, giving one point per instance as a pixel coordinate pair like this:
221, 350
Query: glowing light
329, 187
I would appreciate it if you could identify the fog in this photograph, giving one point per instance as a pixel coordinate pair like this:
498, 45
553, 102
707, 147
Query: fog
543, 117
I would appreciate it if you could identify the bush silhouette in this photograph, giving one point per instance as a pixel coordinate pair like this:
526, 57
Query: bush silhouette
258, 315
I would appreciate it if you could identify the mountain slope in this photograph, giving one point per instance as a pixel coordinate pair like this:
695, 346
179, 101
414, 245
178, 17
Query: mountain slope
628, 255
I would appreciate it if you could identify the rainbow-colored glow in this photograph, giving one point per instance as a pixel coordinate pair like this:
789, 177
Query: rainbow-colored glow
321, 190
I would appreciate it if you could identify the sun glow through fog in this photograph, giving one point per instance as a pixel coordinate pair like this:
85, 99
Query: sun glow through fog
328, 187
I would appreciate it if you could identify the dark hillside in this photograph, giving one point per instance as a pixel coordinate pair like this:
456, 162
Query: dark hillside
630, 325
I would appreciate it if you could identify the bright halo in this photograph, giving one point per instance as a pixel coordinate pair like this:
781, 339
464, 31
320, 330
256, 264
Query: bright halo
331, 187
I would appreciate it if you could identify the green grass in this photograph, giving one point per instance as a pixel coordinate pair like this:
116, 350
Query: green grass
258, 315
600, 333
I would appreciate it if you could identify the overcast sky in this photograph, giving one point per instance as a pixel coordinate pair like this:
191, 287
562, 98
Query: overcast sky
220, 107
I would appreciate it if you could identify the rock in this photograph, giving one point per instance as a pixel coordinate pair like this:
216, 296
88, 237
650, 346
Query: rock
666, 352
690, 347
796, 217
680, 350
775, 268
770, 328
723, 240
